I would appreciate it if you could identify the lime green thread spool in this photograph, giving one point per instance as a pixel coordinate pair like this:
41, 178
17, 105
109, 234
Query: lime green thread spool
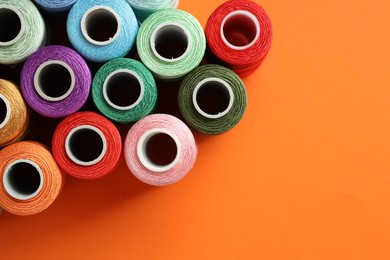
171, 43
124, 90
22, 30
212, 99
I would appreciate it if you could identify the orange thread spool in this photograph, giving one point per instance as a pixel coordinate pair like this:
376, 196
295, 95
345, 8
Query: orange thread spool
30, 178
86, 145
13, 113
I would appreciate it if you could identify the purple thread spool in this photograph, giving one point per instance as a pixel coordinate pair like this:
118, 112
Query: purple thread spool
55, 81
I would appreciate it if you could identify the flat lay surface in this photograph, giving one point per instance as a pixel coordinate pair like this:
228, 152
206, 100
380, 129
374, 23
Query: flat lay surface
304, 175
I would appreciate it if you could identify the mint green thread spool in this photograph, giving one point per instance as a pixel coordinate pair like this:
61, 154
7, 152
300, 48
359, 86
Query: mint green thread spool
212, 99
22, 30
171, 43
124, 90
144, 8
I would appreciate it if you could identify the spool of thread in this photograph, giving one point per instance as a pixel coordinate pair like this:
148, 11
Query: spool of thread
55, 81
144, 8
239, 35
124, 90
212, 99
102, 30
160, 150
13, 114
30, 178
55, 6
171, 43
22, 30
86, 145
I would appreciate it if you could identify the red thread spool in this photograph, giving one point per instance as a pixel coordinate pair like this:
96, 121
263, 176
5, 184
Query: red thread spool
87, 145
239, 35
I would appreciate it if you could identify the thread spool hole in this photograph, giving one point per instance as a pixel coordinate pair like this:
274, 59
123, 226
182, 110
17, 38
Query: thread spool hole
170, 42
3, 111
85, 145
158, 150
100, 25
213, 98
123, 89
54, 80
240, 30
10, 26
23, 179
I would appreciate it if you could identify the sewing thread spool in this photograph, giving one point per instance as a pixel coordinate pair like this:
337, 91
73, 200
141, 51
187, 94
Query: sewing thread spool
30, 178
86, 145
13, 114
55, 6
102, 30
171, 43
22, 30
239, 35
169, 136
124, 90
144, 8
55, 81
212, 99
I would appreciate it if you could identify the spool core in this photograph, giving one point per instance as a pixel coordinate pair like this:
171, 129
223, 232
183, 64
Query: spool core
12, 25
152, 156
170, 42
123, 89
54, 80
240, 30
23, 179
85, 145
100, 25
213, 98
5, 111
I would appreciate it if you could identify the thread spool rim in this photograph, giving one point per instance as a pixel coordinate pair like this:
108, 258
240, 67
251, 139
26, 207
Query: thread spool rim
8, 113
140, 81
68, 149
143, 157
200, 85
11, 190
84, 30
154, 36
249, 15
37, 84
22, 25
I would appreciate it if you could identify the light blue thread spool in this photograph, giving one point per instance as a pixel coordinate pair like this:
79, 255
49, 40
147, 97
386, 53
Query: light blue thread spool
55, 6
102, 30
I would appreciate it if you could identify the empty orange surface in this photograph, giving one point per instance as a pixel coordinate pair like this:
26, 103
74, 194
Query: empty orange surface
305, 175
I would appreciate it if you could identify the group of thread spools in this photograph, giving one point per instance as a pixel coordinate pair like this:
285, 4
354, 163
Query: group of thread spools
134, 45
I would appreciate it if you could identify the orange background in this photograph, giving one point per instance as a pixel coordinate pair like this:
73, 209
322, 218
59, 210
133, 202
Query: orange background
305, 175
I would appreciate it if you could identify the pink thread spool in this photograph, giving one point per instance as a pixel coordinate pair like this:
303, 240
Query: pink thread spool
169, 136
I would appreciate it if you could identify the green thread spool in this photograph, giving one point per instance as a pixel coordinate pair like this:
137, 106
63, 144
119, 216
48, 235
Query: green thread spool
171, 43
124, 90
22, 30
212, 99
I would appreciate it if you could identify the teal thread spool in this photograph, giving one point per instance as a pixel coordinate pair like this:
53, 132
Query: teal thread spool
22, 30
212, 99
124, 90
171, 43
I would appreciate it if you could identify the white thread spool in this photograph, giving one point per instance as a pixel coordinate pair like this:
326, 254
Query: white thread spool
81, 155
95, 18
12, 25
132, 81
23, 179
54, 80
5, 111
144, 156
218, 86
175, 37
249, 30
